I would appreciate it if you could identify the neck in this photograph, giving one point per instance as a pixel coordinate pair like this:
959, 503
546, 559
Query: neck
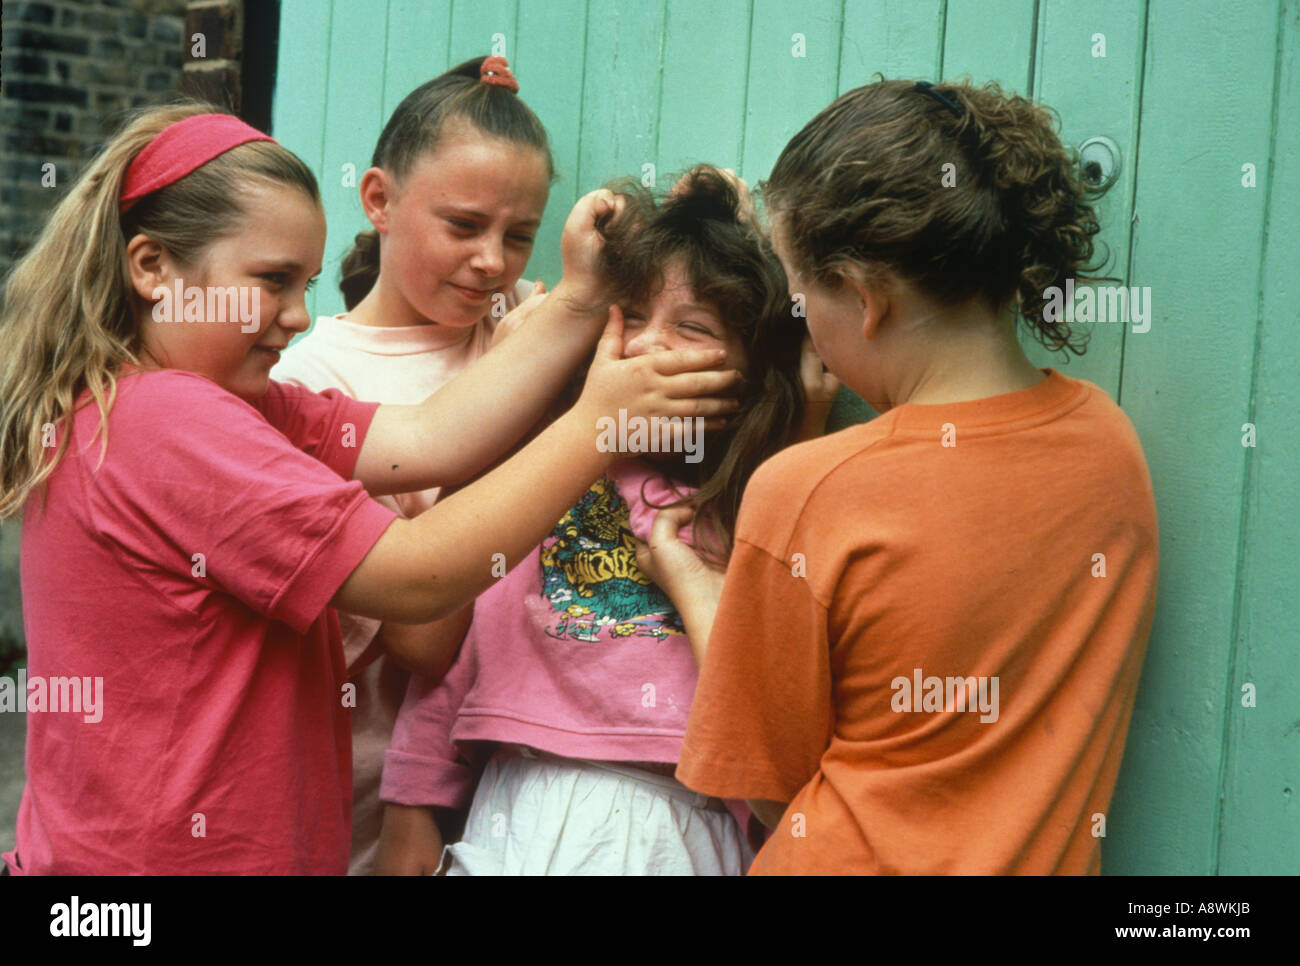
960, 358
385, 310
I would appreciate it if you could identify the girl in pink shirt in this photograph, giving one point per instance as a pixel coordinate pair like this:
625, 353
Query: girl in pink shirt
456, 191
188, 521
576, 677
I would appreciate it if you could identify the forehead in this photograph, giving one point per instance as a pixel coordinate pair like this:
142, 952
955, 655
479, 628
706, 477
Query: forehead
677, 291
279, 215
469, 168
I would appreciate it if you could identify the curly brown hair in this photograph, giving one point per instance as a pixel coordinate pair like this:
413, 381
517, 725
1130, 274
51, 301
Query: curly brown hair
702, 226
864, 182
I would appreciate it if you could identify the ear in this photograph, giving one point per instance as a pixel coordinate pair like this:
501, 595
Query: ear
149, 264
871, 298
377, 192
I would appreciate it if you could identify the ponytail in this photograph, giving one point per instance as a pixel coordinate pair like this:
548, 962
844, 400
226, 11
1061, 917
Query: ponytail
964, 191
360, 268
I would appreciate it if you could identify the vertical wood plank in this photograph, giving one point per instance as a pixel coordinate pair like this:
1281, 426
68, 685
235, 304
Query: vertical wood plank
990, 42
303, 64
790, 78
898, 38
353, 120
418, 47
1094, 95
1260, 828
550, 62
620, 115
1186, 386
702, 111
476, 25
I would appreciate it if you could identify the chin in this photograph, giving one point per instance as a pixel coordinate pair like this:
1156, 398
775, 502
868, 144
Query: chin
250, 387
455, 314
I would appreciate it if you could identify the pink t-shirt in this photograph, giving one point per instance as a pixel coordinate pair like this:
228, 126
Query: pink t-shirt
573, 652
190, 571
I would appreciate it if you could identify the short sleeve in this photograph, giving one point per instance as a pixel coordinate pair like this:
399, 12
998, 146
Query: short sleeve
327, 425
200, 486
423, 766
762, 714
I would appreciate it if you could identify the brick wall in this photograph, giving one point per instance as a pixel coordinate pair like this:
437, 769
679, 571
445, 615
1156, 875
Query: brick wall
70, 69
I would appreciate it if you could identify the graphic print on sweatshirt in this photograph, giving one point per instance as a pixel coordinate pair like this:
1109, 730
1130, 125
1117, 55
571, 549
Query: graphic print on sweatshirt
591, 579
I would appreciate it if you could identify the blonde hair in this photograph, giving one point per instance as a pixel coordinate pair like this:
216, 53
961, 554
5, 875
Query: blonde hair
68, 320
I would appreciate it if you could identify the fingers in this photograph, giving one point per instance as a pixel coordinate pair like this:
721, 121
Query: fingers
610, 345
674, 361
668, 522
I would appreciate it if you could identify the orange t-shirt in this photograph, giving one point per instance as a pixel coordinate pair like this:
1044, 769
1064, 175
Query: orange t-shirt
930, 638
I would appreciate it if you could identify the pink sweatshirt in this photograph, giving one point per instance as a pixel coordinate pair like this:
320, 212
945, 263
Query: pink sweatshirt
573, 652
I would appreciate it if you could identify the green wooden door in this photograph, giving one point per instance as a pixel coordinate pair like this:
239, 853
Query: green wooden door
1203, 99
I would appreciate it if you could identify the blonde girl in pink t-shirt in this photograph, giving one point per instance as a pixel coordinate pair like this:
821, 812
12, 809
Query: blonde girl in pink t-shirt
455, 194
188, 521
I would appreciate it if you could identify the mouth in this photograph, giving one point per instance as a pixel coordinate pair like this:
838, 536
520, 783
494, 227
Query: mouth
272, 351
471, 294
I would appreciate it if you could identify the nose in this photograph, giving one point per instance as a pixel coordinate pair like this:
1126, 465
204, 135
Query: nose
489, 257
295, 317
651, 338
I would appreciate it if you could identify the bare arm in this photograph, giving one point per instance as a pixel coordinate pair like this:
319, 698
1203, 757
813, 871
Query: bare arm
476, 416
820, 388
422, 569
695, 588
410, 842
426, 649
453, 435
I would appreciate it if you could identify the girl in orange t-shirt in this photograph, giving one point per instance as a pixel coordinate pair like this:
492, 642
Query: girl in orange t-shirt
924, 652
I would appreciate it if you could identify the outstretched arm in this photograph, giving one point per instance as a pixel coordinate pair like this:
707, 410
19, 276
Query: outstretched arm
424, 568
480, 413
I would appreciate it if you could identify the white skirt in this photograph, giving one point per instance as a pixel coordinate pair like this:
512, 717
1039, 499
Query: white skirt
539, 814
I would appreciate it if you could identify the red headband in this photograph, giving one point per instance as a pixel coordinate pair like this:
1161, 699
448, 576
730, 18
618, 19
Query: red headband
180, 148
496, 71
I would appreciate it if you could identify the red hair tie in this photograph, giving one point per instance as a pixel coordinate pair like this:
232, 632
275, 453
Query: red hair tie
496, 71
180, 148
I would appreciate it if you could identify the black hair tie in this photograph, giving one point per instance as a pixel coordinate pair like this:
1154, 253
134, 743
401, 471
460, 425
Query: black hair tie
925, 87
969, 135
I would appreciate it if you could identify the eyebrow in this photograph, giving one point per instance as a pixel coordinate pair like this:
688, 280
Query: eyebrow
483, 216
697, 307
288, 266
